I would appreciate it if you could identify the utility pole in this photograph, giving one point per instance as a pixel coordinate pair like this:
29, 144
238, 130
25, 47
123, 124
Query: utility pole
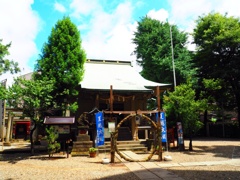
173, 64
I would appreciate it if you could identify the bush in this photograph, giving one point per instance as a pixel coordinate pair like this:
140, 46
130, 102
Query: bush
53, 145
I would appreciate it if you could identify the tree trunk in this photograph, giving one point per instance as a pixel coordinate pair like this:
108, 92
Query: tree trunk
31, 138
235, 86
238, 116
238, 112
190, 142
205, 123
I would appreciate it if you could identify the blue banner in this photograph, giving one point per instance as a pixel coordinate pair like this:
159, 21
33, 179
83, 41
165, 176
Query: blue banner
180, 132
100, 128
164, 126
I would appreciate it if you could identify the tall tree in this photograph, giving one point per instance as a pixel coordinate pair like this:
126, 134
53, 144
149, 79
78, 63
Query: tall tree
182, 102
218, 51
62, 60
154, 51
33, 98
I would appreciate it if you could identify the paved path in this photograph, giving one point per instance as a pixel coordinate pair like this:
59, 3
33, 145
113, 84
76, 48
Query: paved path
153, 170
150, 170
146, 170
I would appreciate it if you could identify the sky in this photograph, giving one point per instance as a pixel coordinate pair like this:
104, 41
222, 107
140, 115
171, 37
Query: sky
106, 26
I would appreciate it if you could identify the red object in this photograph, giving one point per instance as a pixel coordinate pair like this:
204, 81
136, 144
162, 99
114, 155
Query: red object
170, 137
26, 123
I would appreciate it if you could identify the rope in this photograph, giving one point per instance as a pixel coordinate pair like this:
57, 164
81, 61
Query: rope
156, 129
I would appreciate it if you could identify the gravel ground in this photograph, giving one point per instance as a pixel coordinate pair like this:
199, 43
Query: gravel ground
207, 150
23, 166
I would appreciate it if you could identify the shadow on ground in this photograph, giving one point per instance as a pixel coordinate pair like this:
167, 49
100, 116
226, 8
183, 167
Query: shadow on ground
15, 156
206, 173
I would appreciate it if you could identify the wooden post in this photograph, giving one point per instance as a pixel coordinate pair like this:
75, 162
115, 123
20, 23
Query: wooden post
97, 101
112, 148
111, 98
112, 134
158, 98
159, 124
134, 126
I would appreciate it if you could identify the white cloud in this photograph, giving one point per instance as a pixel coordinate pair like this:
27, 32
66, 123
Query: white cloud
184, 13
19, 25
59, 7
229, 6
83, 7
161, 14
110, 34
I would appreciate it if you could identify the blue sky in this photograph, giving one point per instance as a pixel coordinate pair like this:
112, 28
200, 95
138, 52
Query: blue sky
106, 26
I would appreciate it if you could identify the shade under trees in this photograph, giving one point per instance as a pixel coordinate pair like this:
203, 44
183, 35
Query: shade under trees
218, 53
62, 60
154, 52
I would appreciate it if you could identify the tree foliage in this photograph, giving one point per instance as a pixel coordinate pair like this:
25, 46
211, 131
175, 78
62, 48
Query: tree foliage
6, 64
62, 60
53, 145
32, 97
182, 102
154, 52
218, 52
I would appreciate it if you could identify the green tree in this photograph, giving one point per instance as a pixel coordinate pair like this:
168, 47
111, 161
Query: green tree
154, 52
33, 98
211, 90
62, 60
6, 65
218, 52
53, 145
182, 102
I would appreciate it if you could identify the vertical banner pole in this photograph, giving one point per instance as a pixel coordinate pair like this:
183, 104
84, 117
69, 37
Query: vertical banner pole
159, 124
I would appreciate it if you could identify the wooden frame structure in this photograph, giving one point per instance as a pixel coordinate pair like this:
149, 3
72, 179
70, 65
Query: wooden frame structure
134, 112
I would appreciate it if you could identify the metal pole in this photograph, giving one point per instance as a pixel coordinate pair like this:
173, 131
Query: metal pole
173, 64
159, 125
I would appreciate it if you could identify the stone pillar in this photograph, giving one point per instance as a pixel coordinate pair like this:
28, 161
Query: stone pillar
7, 143
11, 130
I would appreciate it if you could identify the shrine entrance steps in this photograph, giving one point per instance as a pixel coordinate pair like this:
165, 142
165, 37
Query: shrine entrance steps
139, 146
